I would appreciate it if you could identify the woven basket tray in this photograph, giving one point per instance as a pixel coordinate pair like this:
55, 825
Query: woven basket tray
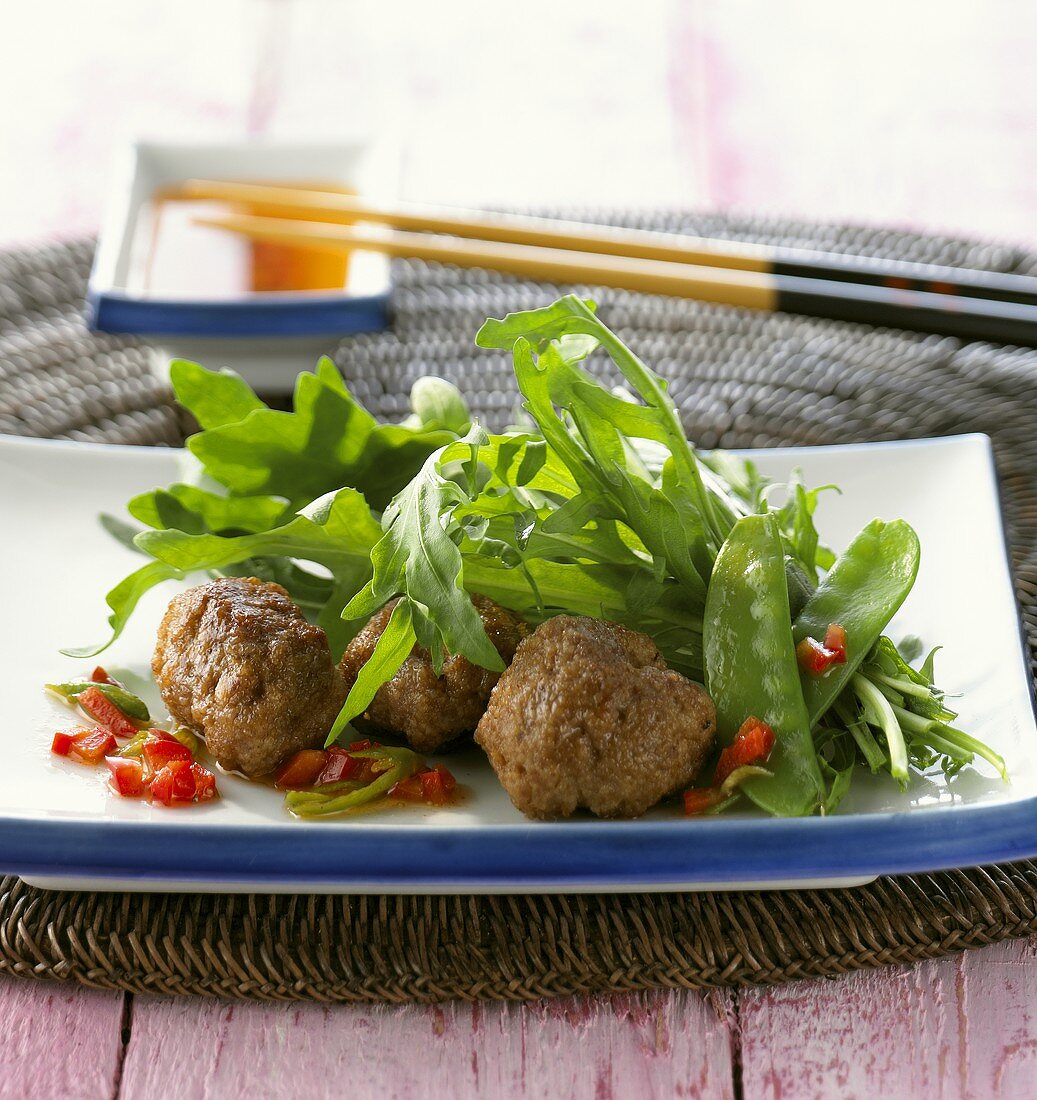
741, 379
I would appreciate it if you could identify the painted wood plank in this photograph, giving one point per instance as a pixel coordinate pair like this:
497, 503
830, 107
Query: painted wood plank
955, 1028
636, 1045
58, 1040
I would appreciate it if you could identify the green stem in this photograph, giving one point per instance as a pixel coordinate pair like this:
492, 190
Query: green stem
886, 720
904, 687
870, 748
928, 729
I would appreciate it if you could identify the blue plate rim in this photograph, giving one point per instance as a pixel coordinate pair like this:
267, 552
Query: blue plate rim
576, 853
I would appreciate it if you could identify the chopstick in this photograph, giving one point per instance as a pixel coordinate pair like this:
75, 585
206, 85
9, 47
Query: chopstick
965, 318
580, 237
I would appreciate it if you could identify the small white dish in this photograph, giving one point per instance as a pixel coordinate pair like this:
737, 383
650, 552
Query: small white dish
60, 826
266, 337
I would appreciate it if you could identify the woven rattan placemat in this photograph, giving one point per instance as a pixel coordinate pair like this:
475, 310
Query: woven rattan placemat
741, 380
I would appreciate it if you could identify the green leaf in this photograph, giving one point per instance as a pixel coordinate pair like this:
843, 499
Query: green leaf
537, 326
572, 317
438, 405
328, 441
120, 530
418, 559
796, 517
214, 398
196, 511
391, 650
336, 531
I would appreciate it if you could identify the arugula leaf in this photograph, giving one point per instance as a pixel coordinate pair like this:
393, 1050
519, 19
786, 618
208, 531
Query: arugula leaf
214, 398
391, 650
328, 441
418, 558
337, 531
796, 518
438, 405
194, 510
571, 317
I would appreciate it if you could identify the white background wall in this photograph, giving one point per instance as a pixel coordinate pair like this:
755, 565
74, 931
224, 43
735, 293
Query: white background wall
911, 112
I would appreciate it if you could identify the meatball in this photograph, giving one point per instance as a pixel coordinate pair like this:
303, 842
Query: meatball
430, 710
236, 661
588, 715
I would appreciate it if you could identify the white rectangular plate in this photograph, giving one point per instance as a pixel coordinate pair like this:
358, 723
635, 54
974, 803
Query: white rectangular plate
59, 824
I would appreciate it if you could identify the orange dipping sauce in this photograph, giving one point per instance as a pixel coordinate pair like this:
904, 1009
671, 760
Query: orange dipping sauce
179, 259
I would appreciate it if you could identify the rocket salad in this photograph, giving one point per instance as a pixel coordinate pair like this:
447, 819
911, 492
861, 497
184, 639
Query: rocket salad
595, 505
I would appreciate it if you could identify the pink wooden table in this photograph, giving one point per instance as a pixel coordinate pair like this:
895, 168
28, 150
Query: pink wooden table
915, 115
963, 1027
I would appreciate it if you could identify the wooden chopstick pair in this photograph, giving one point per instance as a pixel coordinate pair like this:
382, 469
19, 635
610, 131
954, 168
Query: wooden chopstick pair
967, 304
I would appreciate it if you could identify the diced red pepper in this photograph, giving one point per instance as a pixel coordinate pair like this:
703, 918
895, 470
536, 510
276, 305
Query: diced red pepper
173, 783
700, 799
752, 745
340, 765
62, 743
92, 746
300, 770
437, 785
104, 711
361, 746
158, 753
127, 776
813, 658
835, 642
432, 785
409, 789
100, 676
204, 783
816, 658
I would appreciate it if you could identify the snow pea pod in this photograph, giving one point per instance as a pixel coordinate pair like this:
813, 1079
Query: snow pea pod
751, 664
862, 592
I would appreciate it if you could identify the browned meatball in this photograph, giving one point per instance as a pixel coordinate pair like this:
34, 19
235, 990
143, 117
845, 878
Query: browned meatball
431, 710
588, 715
236, 661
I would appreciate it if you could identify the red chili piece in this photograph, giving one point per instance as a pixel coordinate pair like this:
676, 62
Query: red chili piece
127, 776
103, 710
437, 785
816, 658
700, 799
62, 743
92, 746
204, 783
157, 754
173, 783
301, 770
339, 765
835, 642
752, 745
433, 785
